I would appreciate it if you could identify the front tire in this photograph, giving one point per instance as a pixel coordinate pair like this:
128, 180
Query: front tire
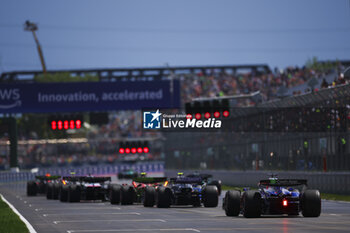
149, 198
210, 196
114, 194
127, 195
232, 203
311, 203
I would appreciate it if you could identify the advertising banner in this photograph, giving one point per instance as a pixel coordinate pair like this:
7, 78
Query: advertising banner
88, 96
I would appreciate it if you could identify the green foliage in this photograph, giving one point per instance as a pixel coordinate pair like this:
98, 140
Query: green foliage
313, 63
9, 221
65, 77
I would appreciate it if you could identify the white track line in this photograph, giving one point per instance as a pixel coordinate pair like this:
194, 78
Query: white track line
111, 220
131, 213
89, 208
135, 230
29, 226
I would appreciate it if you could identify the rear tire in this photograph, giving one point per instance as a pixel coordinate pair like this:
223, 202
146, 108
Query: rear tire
55, 191
127, 195
251, 204
32, 188
49, 191
73, 193
210, 196
63, 194
114, 194
163, 197
149, 198
311, 203
232, 203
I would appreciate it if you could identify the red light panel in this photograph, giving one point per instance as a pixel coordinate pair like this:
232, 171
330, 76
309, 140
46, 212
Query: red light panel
145, 149
189, 116
207, 115
65, 124
78, 124
216, 114
121, 150
285, 203
225, 113
127, 150
133, 150
53, 125
198, 116
139, 150
59, 125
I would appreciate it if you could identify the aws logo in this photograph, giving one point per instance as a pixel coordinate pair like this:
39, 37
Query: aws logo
9, 98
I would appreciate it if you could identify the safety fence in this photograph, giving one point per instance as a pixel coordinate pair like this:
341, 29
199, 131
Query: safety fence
6, 177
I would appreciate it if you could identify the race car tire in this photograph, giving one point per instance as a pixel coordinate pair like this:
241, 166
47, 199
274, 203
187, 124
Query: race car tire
42, 187
232, 203
63, 193
163, 197
32, 188
49, 189
311, 203
114, 194
127, 195
217, 183
73, 193
210, 196
55, 191
150, 194
251, 204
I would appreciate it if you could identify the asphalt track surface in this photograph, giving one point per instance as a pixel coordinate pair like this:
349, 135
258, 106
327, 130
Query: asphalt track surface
54, 216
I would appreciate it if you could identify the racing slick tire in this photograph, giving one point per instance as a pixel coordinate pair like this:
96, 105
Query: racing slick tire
149, 198
73, 193
311, 203
163, 197
63, 193
217, 183
55, 191
210, 196
114, 194
49, 190
251, 204
127, 195
232, 203
32, 188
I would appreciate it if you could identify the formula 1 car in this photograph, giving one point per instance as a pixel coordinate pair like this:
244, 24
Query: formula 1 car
39, 185
274, 196
187, 191
208, 179
142, 191
127, 174
76, 188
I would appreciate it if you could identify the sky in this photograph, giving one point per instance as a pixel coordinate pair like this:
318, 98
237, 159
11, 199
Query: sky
136, 33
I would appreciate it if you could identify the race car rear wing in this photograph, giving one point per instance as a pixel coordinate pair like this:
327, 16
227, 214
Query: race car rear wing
47, 177
150, 180
186, 180
284, 182
87, 179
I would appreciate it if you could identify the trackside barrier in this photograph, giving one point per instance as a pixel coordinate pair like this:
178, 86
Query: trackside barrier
327, 182
6, 177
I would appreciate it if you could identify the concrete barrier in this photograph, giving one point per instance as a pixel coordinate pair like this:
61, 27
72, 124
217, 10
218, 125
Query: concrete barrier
328, 182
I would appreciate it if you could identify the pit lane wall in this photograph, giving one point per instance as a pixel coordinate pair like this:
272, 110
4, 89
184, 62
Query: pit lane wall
327, 182
98, 170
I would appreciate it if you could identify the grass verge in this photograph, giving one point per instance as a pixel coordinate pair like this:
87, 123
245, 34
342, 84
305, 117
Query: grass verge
327, 196
9, 221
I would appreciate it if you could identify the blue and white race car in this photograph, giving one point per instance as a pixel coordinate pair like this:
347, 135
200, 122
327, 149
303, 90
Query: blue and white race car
274, 197
184, 190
